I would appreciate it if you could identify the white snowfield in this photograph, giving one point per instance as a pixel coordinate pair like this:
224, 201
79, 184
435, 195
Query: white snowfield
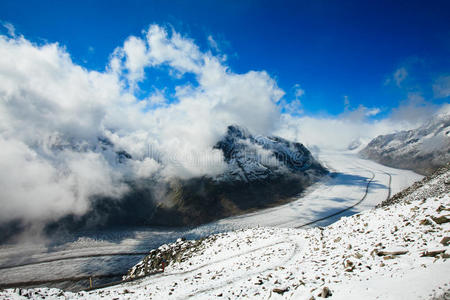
276, 253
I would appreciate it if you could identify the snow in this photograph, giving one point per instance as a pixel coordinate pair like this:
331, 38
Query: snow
274, 252
415, 284
345, 257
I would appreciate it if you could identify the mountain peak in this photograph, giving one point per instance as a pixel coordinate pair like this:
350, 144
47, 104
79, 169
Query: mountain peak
252, 158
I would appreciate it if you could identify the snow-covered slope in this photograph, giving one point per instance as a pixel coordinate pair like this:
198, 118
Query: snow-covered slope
423, 149
398, 251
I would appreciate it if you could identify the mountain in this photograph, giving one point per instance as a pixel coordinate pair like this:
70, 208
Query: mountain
261, 171
260, 158
422, 150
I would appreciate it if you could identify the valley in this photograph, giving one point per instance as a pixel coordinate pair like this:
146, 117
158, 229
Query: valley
354, 185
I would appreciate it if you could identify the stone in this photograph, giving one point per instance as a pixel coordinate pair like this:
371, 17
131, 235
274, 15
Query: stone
440, 220
445, 241
425, 222
391, 253
259, 282
432, 253
325, 293
280, 291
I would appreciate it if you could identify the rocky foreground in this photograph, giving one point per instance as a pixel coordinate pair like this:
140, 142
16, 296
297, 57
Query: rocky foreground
399, 250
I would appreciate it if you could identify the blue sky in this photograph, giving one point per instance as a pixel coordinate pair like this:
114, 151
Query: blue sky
373, 53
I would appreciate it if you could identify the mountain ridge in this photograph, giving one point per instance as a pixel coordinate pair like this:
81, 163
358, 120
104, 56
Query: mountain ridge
261, 171
422, 150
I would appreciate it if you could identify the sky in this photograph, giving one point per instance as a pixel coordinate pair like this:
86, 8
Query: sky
81, 81
334, 54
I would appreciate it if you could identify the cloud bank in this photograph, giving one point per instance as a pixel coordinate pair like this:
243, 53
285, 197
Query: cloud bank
62, 126
55, 114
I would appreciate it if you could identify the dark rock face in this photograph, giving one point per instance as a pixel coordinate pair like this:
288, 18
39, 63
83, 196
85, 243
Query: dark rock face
422, 150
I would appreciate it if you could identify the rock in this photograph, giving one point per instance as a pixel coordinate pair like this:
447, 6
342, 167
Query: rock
440, 220
432, 253
325, 293
445, 241
179, 251
391, 253
441, 208
389, 257
280, 291
349, 265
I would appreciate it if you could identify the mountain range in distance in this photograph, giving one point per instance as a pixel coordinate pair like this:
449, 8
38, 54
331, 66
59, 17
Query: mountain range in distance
422, 150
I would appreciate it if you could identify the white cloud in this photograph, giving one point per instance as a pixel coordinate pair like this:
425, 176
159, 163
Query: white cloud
178, 52
346, 102
400, 75
155, 99
294, 106
397, 77
415, 109
213, 44
441, 87
135, 52
40, 189
373, 112
10, 28
338, 132
52, 113
298, 91
334, 133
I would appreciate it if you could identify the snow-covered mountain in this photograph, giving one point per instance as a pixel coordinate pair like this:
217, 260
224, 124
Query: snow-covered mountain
260, 171
259, 158
423, 149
